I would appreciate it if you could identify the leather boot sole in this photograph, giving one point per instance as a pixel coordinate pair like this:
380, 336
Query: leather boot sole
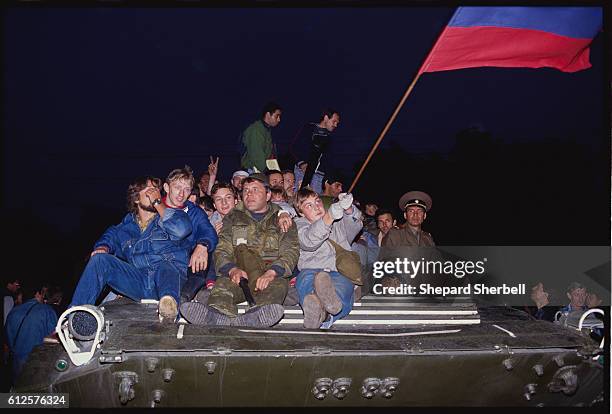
263, 316
325, 290
201, 314
314, 315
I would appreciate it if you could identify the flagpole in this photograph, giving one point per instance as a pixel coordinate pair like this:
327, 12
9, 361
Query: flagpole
422, 69
384, 131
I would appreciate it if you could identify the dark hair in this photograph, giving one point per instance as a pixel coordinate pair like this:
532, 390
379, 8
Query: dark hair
382, 211
206, 201
329, 112
270, 107
301, 195
270, 172
7, 278
136, 187
31, 289
283, 172
54, 294
252, 179
279, 191
221, 185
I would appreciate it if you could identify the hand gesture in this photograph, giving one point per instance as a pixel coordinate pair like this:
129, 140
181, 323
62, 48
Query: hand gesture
213, 166
345, 200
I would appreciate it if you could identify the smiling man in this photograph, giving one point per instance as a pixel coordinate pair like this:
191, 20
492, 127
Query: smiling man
204, 239
225, 198
143, 257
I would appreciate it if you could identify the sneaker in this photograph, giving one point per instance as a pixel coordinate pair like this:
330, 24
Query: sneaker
167, 309
201, 314
314, 314
260, 316
325, 290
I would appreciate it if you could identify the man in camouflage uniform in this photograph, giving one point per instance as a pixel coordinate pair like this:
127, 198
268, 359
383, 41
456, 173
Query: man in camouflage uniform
251, 246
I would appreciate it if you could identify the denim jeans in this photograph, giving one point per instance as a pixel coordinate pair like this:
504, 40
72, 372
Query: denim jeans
344, 289
149, 283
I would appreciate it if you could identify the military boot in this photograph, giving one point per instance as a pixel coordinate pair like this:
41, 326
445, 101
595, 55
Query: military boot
202, 296
325, 290
263, 316
292, 297
200, 314
224, 296
314, 314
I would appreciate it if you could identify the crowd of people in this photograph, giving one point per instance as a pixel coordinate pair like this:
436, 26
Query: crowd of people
266, 235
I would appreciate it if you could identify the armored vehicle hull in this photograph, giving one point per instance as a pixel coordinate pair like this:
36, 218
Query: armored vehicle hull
386, 353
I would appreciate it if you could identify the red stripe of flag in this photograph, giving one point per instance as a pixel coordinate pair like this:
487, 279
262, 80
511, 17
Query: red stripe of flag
468, 47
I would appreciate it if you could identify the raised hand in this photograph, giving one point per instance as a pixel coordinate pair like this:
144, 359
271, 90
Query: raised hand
345, 200
213, 166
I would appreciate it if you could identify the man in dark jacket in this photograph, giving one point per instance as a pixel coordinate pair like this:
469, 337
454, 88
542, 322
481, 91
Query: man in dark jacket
256, 140
143, 257
319, 139
203, 239
27, 325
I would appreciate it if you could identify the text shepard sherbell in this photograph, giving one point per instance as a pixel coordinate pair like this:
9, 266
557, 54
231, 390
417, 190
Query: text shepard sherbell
438, 268
427, 289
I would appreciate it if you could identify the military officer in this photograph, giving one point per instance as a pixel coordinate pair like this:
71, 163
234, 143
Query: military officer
415, 205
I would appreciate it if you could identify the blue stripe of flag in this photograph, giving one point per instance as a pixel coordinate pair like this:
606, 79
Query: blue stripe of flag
576, 22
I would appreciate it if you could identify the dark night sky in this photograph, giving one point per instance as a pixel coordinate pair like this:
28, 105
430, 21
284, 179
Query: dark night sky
94, 97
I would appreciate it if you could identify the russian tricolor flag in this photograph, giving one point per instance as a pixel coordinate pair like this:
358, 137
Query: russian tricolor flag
532, 37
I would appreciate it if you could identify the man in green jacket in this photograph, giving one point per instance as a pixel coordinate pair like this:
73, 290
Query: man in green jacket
252, 247
256, 140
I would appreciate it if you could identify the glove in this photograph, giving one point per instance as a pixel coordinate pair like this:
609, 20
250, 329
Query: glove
336, 211
345, 200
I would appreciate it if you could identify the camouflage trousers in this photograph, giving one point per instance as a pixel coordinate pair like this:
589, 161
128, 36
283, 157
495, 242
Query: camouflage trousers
226, 294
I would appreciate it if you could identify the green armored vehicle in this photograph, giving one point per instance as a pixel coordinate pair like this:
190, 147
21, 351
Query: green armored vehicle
389, 351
